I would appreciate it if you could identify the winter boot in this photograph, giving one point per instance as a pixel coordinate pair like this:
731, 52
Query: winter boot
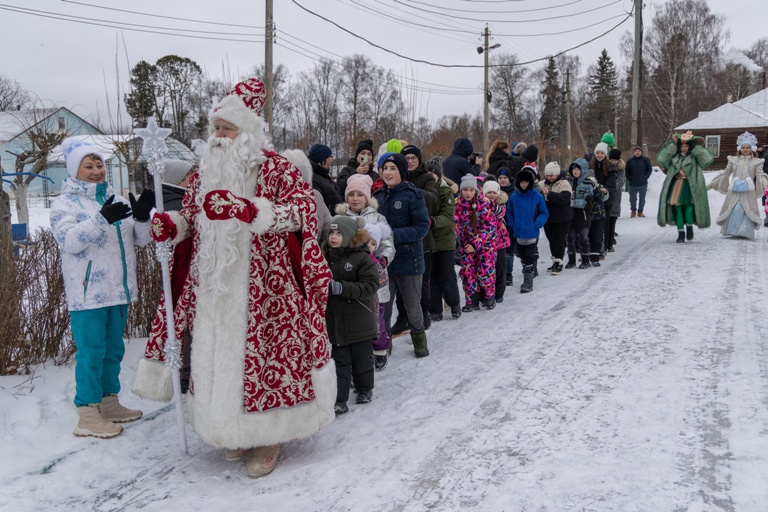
379, 360
233, 455
364, 397
558, 267
92, 424
340, 408
262, 460
554, 264
436, 317
640, 213
528, 275
427, 320
689, 232
571, 261
472, 305
111, 410
489, 303
455, 312
401, 326
584, 262
680, 237
420, 344
633, 214
510, 278
594, 260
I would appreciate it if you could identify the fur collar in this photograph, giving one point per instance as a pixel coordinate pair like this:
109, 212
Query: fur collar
343, 208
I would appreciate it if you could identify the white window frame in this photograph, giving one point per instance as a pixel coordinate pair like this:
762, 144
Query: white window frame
714, 139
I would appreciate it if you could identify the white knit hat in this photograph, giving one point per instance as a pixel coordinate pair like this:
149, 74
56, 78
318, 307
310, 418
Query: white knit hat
552, 169
602, 146
378, 231
175, 171
74, 150
491, 186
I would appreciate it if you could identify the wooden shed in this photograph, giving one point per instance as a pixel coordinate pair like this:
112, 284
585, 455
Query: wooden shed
722, 126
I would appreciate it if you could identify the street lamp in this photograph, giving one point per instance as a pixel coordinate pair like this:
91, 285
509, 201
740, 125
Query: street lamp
486, 93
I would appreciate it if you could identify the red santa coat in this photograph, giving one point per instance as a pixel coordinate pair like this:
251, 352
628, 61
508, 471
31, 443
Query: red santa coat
261, 372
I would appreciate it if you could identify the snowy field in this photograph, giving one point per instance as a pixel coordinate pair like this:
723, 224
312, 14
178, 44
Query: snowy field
638, 386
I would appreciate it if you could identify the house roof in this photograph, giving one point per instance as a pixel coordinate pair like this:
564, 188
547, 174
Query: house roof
105, 144
749, 112
16, 122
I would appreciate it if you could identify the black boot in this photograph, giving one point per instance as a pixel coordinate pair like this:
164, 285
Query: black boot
571, 261
584, 262
401, 327
680, 237
689, 232
510, 279
489, 303
527, 285
594, 260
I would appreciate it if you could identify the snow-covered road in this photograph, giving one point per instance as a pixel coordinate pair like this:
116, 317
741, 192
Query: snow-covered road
641, 385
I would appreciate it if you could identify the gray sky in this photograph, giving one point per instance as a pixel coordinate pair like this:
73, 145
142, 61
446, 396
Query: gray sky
75, 64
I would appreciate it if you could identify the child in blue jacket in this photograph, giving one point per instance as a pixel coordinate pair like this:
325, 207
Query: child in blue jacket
526, 214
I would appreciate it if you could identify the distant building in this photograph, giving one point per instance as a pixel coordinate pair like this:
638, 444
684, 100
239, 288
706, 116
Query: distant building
16, 125
721, 127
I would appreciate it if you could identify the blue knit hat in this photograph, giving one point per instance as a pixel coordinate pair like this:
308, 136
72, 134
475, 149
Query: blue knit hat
319, 152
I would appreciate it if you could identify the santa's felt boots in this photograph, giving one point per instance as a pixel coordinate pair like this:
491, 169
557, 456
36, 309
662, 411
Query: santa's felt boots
111, 410
91, 424
237, 454
262, 460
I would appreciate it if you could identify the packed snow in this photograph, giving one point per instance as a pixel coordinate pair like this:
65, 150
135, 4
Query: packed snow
641, 385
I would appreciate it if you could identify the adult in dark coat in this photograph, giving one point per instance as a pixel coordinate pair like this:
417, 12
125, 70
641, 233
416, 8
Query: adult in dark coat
607, 175
361, 163
498, 157
402, 204
321, 157
638, 169
529, 156
456, 165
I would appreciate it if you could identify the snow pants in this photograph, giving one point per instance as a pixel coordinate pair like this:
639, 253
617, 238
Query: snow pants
478, 273
557, 235
98, 335
383, 342
353, 361
409, 287
443, 283
596, 240
501, 273
425, 290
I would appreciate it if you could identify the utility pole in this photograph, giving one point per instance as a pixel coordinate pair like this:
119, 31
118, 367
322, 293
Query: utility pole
637, 68
485, 92
269, 29
568, 112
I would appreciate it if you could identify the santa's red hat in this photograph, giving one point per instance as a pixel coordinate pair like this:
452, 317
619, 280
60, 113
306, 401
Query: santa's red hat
242, 106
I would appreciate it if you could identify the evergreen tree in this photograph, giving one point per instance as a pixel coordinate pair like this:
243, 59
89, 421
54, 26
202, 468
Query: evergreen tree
550, 122
603, 84
141, 102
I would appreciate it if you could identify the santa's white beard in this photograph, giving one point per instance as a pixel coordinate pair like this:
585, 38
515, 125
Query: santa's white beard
228, 164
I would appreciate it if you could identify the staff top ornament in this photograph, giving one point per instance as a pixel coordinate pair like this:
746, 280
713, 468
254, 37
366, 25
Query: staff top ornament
153, 137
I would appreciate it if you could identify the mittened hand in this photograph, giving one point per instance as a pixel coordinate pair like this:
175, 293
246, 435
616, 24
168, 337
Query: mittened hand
114, 211
162, 227
334, 287
143, 205
223, 205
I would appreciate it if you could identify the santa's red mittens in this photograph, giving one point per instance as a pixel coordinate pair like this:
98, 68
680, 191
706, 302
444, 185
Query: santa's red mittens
162, 227
223, 204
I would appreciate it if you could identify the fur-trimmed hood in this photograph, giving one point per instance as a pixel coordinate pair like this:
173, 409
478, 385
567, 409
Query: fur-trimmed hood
360, 240
449, 183
502, 198
343, 208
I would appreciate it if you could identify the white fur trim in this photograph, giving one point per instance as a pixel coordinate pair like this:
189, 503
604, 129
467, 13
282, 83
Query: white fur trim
153, 381
265, 218
231, 108
181, 226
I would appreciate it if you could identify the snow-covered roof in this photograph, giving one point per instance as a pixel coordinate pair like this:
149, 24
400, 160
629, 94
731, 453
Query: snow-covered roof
106, 146
12, 123
749, 112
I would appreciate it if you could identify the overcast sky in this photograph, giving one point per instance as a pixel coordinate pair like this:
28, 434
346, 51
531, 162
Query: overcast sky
75, 63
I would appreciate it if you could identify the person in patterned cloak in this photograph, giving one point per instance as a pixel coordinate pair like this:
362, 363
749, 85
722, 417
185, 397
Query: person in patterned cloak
255, 297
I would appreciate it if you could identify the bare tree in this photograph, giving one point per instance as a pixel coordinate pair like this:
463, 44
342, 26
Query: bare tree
510, 85
176, 76
12, 95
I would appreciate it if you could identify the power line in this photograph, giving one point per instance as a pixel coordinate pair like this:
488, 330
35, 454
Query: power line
118, 25
421, 61
463, 18
160, 15
579, 29
496, 12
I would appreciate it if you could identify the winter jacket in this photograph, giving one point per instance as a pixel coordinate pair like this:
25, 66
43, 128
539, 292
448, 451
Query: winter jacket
406, 213
558, 199
422, 179
456, 165
372, 216
639, 169
497, 160
599, 200
98, 260
483, 235
500, 212
349, 170
444, 229
583, 195
352, 316
607, 175
697, 159
322, 181
526, 210
621, 180
172, 196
